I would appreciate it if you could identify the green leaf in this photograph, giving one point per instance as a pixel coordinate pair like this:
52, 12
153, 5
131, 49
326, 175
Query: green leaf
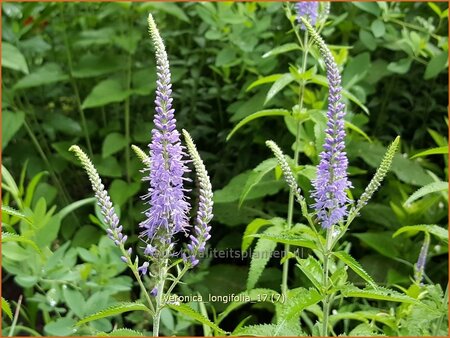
288, 239
278, 85
370, 7
378, 28
60, 327
188, 311
47, 74
75, 205
121, 333
11, 124
10, 237
257, 115
91, 65
401, 66
312, 269
167, 7
432, 151
113, 143
426, 190
433, 229
105, 92
437, 64
358, 130
260, 257
299, 299
225, 57
379, 293
254, 295
264, 80
12, 58
381, 241
435, 8
252, 228
74, 300
258, 173
265, 330
121, 191
13, 212
282, 49
6, 308
355, 266
113, 311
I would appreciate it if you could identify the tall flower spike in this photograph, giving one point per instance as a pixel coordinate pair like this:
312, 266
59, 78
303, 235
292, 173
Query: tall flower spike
331, 182
205, 206
168, 212
103, 200
419, 268
308, 10
379, 175
288, 175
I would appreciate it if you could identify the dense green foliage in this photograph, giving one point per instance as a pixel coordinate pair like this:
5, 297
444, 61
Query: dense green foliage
84, 73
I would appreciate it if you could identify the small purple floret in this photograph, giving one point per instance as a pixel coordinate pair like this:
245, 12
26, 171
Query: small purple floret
308, 10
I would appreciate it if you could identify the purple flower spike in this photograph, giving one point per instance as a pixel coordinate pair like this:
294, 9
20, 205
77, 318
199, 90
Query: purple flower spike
331, 182
420, 265
308, 10
168, 212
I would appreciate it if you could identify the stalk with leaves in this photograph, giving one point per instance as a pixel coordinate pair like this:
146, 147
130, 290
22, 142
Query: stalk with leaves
168, 213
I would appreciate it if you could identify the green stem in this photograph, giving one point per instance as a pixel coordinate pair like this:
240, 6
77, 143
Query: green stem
284, 286
16, 317
326, 302
177, 280
75, 86
441, 318
127, 120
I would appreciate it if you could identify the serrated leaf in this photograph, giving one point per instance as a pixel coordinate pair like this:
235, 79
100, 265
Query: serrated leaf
355, 266
252, 228
432, 151
291, 239
260, 257
6, 308
258, 173
121, 333
191, 313
426, 190
282, 49
312, 269
257, 115
264, 80
433, 229
254, 295
299, 299
13, 212
10, 237
113, 311
266, 330
278, 85
379, 293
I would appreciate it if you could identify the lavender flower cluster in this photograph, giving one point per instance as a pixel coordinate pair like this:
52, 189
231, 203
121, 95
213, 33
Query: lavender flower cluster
308, 10
331, 182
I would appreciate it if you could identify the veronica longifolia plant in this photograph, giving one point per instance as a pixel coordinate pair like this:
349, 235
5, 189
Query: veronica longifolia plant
168, 211
332, 210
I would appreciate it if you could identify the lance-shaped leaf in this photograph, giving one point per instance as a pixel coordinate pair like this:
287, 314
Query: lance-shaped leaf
355, 266
191, 313
114, 311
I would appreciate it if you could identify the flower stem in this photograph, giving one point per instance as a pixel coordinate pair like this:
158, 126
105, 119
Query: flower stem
326, 302
284, 286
